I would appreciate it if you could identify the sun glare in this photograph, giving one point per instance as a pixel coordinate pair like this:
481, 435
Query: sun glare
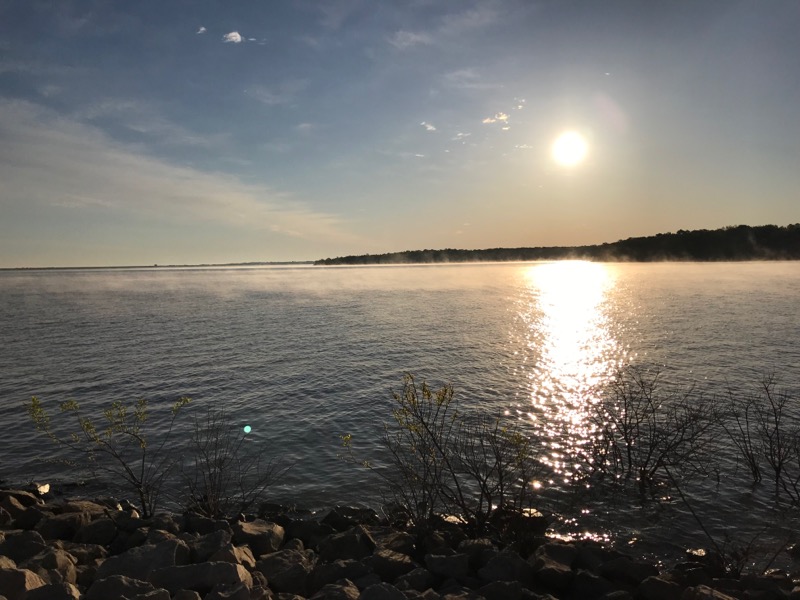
569, 149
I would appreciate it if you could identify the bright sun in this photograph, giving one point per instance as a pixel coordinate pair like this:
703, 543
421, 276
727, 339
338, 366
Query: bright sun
569, 149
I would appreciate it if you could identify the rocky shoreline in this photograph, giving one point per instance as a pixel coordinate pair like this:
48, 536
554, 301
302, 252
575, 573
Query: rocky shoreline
62, 549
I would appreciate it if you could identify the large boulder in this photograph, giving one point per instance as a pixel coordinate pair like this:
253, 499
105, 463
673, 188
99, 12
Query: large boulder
263, 537
343, 590
235, 554
287, 570
21, 545
201, 549
101, 531
201, 577
325, 573
54, 591
139, 562
448, 566
118, 586
22, 497
16, 583
63, 526
390, 565
356, 543
55, 559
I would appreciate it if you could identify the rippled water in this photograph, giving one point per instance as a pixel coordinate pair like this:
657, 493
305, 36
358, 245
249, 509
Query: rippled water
305, 354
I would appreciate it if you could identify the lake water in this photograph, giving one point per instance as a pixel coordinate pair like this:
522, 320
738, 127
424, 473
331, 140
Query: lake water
305, 354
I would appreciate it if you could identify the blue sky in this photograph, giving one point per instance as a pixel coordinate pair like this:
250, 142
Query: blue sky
195, 131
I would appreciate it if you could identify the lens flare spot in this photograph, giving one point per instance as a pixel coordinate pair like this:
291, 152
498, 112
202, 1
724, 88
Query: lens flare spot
247, 429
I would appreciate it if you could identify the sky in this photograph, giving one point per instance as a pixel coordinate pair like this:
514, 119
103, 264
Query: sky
186, 132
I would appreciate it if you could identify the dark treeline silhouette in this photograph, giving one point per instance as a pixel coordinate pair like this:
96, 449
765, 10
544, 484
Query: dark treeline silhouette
741, 242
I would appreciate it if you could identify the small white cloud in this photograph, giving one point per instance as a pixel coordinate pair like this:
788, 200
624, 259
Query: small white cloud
304, 127
428, 126
460, 136
251, 39
201, 30
501, 117
406, 39
233, 37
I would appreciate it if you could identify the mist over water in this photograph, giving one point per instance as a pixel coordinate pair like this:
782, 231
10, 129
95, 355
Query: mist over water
305, 354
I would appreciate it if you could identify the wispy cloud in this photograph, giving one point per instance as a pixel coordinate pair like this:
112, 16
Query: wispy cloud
406, 39
428, 126
201, 30
59, 162
234, 37
468, 79
468, 20
283, 93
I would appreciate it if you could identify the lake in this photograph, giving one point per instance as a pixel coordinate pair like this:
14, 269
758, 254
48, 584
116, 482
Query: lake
305, 354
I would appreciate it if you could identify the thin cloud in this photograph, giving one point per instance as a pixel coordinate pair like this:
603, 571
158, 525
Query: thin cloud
283, 93
59, 162
460, 23
234, 37
500, 117
428, 126
201, 30
468, 79
406, 39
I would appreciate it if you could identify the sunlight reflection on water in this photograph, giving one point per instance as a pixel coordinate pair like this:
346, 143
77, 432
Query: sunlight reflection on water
574, 353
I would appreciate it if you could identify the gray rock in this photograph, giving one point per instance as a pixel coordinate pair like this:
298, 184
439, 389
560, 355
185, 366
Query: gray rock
20, 545
419, 579
83, 553
477, 551
287, 570
56, 559
201, 577
357, 543
263, 537
391, 565
63, 526
102, 531
325, 573
310, 532
551, 573
342, 518
166, 522
703, 592
228, 591
658, 588
117, 586
55, 591
503, 590
22, 497
235, 554
626, 570
344, 590
381, 591
16, 583
81, 506
139, 562
455, 566
195, 523
507, 566
201, 549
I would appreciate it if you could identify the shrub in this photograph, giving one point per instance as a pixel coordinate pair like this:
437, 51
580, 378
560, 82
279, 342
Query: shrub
117, 446
222, 475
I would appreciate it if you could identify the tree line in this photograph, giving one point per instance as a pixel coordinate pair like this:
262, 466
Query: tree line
740, 242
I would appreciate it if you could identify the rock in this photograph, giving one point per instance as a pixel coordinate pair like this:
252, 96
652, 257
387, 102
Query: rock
63, 526
31, 517
22, 497
477, 551
54, 591
235, 554
83, 553
344, 590
658, 588
201, 549
325, 573
390, 565
81, 506
228, 591
703, 592
20, 545
117, 586
390, 539
507, 566
419, 579
586, 584
195, 523
263, 537
201, 577
455, 566
56, 559
626, 570
381, 591
294, 544
7, 563
13, 506
16, 583
503, 590
551, 573
5, 517
310, 532
101, 531
287, 570
166, 522
342, 518
354, 544
187, 595
140, 561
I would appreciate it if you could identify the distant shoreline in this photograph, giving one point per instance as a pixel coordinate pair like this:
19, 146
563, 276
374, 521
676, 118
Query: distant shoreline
159, 266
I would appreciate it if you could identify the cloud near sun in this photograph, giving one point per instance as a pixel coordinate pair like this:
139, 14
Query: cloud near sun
233, 37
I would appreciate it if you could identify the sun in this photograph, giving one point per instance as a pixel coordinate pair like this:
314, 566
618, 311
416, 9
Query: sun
569, 149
